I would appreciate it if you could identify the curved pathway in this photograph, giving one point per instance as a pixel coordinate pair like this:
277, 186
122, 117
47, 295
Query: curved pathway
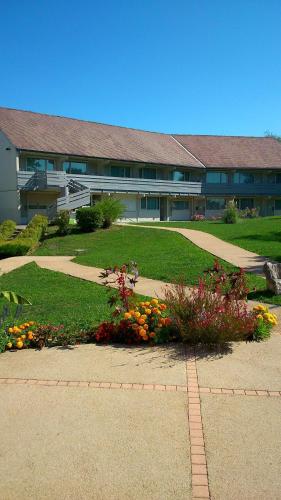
65, 264
233, 254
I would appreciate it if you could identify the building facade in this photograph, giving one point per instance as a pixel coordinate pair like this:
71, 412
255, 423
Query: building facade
50, 163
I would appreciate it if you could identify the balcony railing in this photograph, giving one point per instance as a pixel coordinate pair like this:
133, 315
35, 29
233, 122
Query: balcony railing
99, 184
242, 189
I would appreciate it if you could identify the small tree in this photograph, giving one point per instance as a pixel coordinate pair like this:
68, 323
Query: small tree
112, 209
62, 222
231, 213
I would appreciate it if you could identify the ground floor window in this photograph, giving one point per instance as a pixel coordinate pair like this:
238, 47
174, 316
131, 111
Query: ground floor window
180, 205
150, 203
215, 203
277, 205
244, 203
39, 165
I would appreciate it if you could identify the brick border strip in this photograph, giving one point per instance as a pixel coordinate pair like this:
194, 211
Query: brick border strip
199, 470
239, 392
140, 386
97, 385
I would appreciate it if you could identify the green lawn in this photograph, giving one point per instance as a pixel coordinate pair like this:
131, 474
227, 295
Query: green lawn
261, 235
159, 254
57, 298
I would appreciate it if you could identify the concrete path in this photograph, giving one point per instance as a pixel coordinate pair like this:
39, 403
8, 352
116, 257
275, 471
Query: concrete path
114, 423
144, 286
233, 254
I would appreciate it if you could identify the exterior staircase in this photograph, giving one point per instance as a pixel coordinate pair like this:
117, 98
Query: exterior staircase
77, 196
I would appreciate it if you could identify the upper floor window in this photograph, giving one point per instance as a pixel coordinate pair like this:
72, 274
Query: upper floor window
243, 178
150, 203
39, 165
119, 171
74, 167
215, 203
148, 173
278, 179
180, 205
217, 178
179, 175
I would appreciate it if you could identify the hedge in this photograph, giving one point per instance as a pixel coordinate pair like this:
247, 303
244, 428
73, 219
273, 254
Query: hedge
89, 218
26, 240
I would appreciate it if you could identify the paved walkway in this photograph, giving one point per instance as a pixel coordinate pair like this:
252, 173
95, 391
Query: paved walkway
233, 254
115, 423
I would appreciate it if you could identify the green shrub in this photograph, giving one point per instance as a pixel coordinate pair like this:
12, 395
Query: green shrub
62, 221
112, 209
26, 240
231, 213
262, 331
89, 218
18, 246
7, 228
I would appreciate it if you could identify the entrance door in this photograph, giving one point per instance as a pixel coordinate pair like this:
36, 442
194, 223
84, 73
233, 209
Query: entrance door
163, 208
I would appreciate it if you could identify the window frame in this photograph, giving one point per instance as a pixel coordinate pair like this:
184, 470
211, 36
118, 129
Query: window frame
239, 174
143, 169
45, 160
124, 168
185, 202
73, 162
220, 174
208, 200
146, 199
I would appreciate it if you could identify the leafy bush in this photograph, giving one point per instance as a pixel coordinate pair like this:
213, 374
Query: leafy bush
27, 239
7, 228
89, 218
215, 311
62, 221
231, 213
15, 247
112, 209
132, 322
249, 213
265, 322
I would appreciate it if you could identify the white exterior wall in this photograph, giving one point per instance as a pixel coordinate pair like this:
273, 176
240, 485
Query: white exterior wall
9, 196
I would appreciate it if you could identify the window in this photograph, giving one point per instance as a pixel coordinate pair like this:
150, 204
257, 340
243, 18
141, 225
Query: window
74, 167
215, 203
179, 175
118, 171
150, 203
39, 165
277, 204
244, 203
180, 205
243, 178
278, 178
148, 173
217, 178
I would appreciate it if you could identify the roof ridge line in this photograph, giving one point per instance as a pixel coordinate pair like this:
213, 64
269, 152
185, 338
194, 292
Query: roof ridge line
187, 151
84, 121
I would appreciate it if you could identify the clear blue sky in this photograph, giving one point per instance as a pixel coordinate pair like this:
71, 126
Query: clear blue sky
187, 66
